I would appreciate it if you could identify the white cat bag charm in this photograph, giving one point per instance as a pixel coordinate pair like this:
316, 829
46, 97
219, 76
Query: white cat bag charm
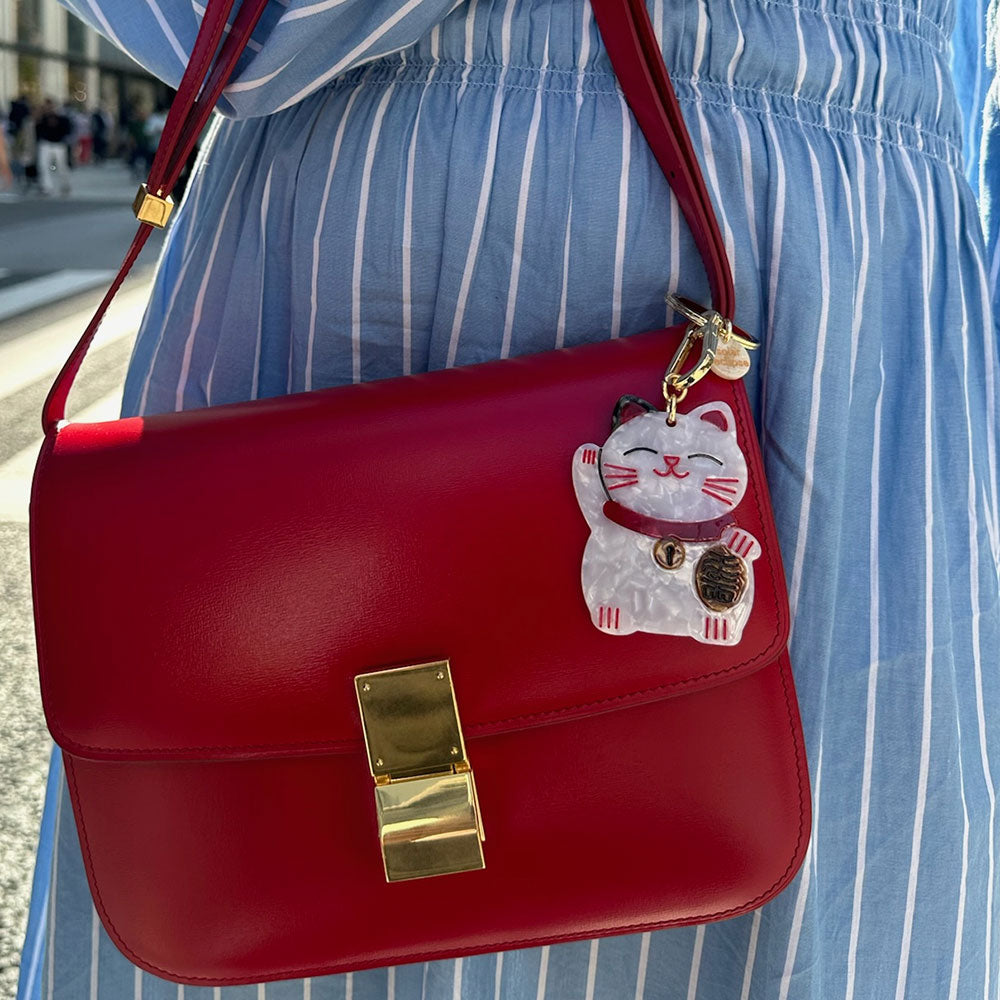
666, 554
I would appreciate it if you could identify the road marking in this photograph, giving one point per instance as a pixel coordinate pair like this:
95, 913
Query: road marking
41, 353
16, 472
49, 288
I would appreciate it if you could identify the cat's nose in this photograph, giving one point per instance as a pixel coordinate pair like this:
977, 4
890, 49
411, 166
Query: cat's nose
672, 461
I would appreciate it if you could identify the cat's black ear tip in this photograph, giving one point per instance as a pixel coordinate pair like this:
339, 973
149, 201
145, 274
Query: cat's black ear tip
628, 407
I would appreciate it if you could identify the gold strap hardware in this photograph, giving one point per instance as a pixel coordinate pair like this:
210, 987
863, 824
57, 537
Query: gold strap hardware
711, 328
151, 208
425, 793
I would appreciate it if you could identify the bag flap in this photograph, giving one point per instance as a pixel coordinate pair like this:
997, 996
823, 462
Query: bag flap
207, 584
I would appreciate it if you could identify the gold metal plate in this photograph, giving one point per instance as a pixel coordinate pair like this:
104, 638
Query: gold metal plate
425, 794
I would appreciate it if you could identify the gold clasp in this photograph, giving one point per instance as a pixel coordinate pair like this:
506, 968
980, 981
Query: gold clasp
425, 793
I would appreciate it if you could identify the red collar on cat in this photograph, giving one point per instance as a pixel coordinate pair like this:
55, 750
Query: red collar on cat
686, 531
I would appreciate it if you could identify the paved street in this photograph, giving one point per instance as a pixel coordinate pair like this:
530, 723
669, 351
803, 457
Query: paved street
56, 258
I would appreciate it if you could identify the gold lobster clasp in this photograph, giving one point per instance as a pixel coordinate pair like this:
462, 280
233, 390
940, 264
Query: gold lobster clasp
707, 326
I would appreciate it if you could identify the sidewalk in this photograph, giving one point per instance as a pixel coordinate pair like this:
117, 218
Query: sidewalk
106, 183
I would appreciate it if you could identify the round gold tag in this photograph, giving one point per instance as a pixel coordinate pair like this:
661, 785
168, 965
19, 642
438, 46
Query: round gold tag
732, 361
669, 553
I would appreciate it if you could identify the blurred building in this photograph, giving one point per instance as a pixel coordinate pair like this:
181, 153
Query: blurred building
45, 51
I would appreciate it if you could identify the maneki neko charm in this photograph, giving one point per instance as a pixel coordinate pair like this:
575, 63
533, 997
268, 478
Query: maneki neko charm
666, 553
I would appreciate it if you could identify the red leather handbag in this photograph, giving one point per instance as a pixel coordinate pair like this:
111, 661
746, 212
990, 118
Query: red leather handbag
299, 662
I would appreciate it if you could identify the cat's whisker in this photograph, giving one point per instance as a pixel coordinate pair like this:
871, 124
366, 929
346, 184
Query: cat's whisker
624, 468
618, 486
723, 489
620, 475
717, 496
719, 479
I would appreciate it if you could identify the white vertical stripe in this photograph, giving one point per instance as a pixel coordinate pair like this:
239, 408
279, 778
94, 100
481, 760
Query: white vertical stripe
95, 940
805, 883
307, 989
582, 57
470, 36
137, 983
956, 958
543, 973
527, 164
486, 186
838, 61
748, 185
977, 661
168, 32
990, 363
640, 976
803, 60
777, 231
675, 243
805, 507
699, 944
874, 639
338, 140
737, 49
456, 983
751, 955
390, 983
261, 991
616, 293
180, 991
359, 232
498, 976
50, 945
862, 280
976, 650
592, 970
411, 156
699, 42
265, 203
349, 986
216, 993
925, 734
199, 302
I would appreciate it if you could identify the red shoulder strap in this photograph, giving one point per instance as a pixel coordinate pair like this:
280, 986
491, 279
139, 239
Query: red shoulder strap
635, 54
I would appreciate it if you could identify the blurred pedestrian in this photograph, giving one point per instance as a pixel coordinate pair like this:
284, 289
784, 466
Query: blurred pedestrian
6, 176
52, 130
99, 129
82, 139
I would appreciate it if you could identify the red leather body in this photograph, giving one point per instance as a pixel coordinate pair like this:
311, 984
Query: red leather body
207, 584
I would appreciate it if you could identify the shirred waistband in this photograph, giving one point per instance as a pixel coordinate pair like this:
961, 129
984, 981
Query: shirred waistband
871, 68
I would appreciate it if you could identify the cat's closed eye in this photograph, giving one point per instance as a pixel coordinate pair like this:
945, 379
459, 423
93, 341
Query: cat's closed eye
701, 454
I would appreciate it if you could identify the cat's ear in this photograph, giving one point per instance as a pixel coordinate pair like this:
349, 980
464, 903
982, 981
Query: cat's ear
717, 414
628, 407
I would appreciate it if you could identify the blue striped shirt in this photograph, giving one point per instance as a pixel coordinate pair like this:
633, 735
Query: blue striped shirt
409, 185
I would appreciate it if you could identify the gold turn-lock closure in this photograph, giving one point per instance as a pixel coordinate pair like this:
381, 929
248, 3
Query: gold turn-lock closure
425, 793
